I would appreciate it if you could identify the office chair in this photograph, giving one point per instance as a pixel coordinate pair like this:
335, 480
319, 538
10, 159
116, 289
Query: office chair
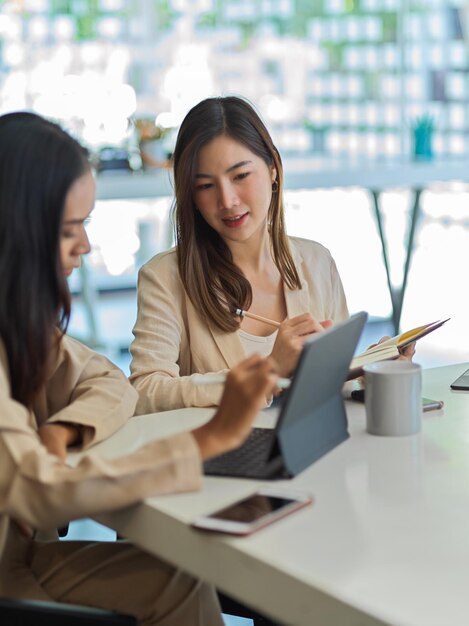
229, 606
15, 612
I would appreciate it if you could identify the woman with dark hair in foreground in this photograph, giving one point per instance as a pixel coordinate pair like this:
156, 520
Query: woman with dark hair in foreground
55, 392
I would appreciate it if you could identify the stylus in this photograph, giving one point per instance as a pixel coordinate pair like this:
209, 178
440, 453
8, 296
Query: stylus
217, 379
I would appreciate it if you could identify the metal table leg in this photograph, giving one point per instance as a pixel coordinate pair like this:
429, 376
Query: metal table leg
397, 294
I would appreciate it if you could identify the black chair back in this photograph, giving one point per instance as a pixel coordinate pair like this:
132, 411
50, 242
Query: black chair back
15, 612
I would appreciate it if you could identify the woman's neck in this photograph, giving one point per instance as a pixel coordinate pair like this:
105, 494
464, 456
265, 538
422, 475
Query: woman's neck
253, 256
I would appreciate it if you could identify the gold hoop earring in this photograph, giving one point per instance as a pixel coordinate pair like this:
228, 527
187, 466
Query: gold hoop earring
275, 186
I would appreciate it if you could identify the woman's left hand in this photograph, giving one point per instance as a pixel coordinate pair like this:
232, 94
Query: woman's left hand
406, 354
56, 437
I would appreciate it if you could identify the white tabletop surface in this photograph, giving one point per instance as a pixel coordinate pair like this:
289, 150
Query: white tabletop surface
308, 173
386, 541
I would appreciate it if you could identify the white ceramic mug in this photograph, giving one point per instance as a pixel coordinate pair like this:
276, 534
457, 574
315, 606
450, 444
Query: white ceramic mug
393, 398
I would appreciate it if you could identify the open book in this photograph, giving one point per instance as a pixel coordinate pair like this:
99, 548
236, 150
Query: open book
389, 349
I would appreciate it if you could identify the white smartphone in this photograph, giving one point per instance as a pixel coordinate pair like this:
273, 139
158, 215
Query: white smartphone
461, 383
254, 512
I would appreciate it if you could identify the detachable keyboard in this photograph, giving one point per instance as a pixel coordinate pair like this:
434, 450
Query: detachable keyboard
251, 460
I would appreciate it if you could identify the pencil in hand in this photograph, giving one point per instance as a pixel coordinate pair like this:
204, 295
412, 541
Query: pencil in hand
259, 318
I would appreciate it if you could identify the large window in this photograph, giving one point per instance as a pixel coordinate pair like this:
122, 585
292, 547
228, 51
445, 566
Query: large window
339, 80
343, 78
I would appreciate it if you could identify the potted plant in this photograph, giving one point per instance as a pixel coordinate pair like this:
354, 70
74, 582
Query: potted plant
422, 132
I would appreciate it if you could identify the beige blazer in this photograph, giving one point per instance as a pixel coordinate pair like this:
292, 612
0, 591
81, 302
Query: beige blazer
84, 388
173, 345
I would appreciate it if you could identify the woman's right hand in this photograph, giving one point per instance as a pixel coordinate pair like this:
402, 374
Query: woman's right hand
291, 337
246, 389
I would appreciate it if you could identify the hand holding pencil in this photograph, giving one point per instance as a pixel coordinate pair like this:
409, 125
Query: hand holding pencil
259, 318
292, 334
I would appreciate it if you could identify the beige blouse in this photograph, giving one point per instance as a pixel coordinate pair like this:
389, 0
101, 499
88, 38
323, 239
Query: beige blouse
173, 345
84, 388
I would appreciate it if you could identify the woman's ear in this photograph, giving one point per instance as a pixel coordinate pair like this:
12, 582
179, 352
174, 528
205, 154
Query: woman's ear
274, 174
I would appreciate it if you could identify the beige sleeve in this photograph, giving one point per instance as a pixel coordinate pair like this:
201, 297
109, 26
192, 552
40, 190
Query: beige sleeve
39, 490
161, 348
87, 389
339, 310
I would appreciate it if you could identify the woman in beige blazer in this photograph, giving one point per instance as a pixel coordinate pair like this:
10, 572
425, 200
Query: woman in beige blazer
232, 252
55, 392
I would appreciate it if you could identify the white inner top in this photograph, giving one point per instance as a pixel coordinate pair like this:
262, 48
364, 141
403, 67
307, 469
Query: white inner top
254, 344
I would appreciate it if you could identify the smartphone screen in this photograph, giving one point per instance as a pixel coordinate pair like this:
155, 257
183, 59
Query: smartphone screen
251, 513
252, 509
461, 383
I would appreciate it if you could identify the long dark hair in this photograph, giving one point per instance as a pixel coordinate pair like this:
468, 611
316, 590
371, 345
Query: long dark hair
38, 164
214, 284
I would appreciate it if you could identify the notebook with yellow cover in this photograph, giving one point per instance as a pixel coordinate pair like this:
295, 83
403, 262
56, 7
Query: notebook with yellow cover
389, 349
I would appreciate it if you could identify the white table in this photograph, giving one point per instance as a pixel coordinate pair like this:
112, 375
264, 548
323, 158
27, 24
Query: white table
386, 542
